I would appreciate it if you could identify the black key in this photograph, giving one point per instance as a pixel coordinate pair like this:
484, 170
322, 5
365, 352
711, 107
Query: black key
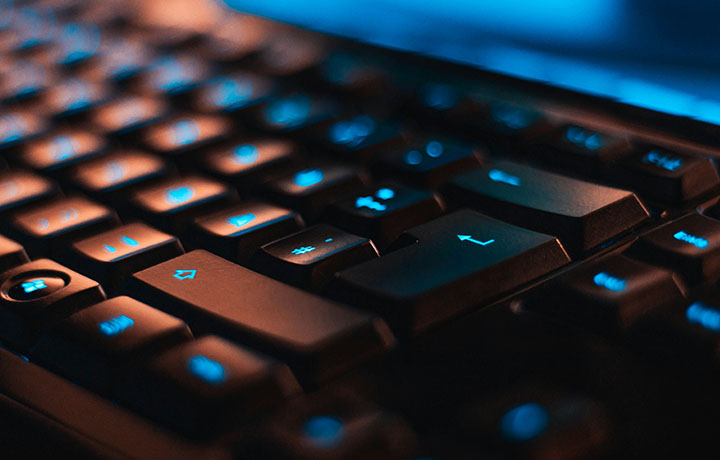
362, 138
47, 230
184, 135
316, 337
333, 427
609, 295
353, 74
310, 190
667, 176
311, 257
20, 188
583, 215
109, 177
233, 93
203, 386
17, 127
74, 96
238, 232
96, 345
37, 295
247, 164
299, 114
583, 149
432, 163
113, 256
510, 125
61, 149
126, 115
689, 246
458, 261
11, 254
173, 76
174, 202
383, 213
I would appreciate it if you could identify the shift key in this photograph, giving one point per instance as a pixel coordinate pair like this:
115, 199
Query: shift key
317, 338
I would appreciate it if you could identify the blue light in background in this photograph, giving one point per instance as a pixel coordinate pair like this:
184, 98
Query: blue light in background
697, 241
116, 325
438, 96
324, 431
524, 422
206, 369
308, 177
704, 315
607, 281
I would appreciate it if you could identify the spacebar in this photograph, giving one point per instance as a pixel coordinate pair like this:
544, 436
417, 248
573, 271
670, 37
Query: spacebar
317, 338
33, 400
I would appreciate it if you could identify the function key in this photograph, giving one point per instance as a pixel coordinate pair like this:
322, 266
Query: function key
432, 163
36, 295
668, 176
61, 149
298, 114
95, 345
310, 190
233, 93
362, 137
74, 96
111, 257
49, 228
173, 75
609, 295
207, 385
18, 127
186, 134
20, 188
383, 213
584, 149
582, 214
109, 177
11, 254
174, 202
247, 164
311, 257
238, 232
127, 114
689, 246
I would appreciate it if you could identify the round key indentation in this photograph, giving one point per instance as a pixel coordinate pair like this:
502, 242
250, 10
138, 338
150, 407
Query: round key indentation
34, 286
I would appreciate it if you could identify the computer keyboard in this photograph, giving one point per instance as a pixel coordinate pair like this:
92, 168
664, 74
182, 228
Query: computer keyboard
256, 242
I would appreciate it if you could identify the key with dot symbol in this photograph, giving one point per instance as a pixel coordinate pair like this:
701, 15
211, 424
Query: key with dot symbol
311, 257
112, 256
207, 385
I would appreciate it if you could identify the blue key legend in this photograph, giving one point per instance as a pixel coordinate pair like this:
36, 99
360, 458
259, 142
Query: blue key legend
116, 325
309, 177
185, 274
697, 241
524, 422
324, 431
609, 282
206, 369
704, 315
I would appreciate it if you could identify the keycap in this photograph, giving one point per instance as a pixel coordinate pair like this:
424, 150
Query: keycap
112, 256
172, 75
459, 261
19, 127
127, 114
203, 386
109, 177
252, 162
46, 230
11, 254
583, 215
61, 149
119, 60
689, 246
382, 213
185, 134
667, 176
298, 114
225, 45
362, 137
174, 202
233, 93
74, 96
238, 232
352, 73
289, 55
333, 427
77, 43
32, 29
311, 257
432, 163
316, 337
96, 345
37, 295
309, 190
511, 124
20, 188
610, 294
24, 79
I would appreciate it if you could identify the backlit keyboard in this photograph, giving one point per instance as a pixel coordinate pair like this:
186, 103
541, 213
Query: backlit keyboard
249, 241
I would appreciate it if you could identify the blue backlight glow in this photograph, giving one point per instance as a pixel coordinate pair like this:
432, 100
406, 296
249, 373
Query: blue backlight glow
324, 431
241, 220
308, 177
33, 285
704, 315
524, 422
79, 42
185, 132
206, 369
697, 241
498, 175
116, 325
434, 149
512, 117
245, 154
352, 132
179, 195
663, 160
584, 138
231, 92
303, 250
607, 281
413, 157
439, 96
385, 194
289, 112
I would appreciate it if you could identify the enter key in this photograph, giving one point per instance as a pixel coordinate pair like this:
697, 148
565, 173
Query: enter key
457, 262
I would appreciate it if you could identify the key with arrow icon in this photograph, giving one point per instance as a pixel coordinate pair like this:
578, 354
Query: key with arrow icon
473, 240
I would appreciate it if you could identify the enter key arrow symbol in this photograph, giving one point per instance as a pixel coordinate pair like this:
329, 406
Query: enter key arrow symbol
473, 240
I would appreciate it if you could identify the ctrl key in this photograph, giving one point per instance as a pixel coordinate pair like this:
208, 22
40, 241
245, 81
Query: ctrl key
200, 387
